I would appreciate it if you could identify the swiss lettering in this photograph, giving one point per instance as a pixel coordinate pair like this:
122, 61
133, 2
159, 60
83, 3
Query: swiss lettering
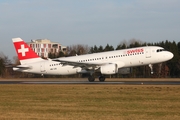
140, 50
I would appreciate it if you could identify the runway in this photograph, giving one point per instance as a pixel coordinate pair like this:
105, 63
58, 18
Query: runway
103, 83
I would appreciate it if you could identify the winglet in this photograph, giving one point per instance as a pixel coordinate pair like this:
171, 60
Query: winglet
24, 52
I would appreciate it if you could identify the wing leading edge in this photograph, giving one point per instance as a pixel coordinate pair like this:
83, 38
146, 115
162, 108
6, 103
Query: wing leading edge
86, 65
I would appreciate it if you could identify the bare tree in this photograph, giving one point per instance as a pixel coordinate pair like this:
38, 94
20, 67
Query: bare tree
4, 63
77, 49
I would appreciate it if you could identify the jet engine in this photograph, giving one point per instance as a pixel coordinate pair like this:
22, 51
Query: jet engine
109, 69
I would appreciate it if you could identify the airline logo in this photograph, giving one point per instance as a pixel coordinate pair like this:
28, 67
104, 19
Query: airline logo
138, 50
23, 50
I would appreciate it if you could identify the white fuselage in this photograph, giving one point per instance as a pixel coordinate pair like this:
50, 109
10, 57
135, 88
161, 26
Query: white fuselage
123, 58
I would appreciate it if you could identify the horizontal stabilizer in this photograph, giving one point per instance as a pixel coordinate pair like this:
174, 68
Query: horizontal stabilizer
22, 67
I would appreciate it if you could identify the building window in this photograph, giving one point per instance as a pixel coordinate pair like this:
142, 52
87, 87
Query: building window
55, 45
42, 54
44, 45
42, 49
52, 51
49, 45
64, 49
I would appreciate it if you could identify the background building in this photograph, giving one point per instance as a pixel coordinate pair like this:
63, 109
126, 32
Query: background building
44, 46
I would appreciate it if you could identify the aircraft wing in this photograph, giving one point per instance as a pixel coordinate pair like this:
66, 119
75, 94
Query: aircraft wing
80, 64
87, 66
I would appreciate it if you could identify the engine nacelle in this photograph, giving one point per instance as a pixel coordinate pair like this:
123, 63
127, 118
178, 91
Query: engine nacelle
109, 69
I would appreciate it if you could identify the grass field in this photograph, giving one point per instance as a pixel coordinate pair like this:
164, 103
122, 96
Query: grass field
90, 102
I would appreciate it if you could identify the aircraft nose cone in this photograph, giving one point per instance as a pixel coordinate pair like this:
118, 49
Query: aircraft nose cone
170, 55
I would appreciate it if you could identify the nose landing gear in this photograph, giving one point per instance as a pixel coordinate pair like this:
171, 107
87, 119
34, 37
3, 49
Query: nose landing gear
151, 67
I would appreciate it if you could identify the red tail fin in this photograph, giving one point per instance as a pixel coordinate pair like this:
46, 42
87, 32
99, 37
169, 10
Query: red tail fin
24, 52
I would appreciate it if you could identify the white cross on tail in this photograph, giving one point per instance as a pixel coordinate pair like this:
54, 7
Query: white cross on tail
23, 50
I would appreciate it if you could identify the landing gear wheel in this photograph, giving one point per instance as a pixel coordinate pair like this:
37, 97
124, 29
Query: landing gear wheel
101, 78
91, 78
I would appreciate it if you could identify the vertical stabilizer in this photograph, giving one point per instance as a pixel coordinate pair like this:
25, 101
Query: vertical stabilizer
25, 53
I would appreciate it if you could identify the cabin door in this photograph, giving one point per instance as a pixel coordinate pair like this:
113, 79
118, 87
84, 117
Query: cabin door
42, 67
148, 52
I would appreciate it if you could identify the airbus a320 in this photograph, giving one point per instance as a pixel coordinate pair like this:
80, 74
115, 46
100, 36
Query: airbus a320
106, 63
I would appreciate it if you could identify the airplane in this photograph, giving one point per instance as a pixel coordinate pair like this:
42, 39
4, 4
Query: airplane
106, 63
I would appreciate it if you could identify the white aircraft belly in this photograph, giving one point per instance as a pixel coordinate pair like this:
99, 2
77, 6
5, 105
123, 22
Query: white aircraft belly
62, 70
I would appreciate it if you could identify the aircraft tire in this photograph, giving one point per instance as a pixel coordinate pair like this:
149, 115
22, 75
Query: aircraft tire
91, 78
101, 78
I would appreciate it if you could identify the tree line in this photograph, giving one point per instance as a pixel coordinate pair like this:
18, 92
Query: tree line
170, 68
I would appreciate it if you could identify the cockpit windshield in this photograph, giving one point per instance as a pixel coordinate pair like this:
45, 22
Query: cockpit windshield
160, 50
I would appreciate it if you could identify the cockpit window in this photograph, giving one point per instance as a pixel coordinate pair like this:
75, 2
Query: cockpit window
160, 50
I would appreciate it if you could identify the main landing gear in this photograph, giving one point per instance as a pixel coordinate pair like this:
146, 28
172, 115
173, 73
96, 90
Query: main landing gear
91, 78
102, 78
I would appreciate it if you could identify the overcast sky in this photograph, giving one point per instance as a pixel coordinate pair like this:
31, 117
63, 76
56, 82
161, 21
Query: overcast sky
88, 22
